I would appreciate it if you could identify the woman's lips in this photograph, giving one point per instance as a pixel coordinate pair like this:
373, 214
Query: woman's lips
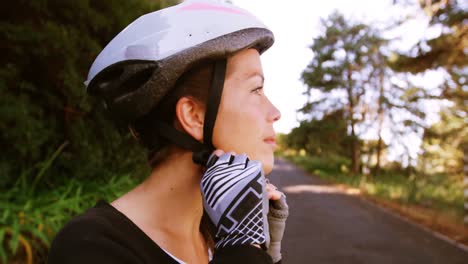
271, 141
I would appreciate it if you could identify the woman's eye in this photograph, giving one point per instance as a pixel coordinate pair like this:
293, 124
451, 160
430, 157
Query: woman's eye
258, 90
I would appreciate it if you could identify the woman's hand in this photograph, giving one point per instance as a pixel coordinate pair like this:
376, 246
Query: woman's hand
273, 202
277, 214
272, 192
235, 198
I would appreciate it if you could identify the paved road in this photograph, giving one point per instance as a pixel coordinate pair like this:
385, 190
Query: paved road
327, 226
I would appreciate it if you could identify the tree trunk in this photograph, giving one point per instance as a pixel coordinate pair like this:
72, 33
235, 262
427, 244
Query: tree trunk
465, 170
354, 151
354, 139
381, 117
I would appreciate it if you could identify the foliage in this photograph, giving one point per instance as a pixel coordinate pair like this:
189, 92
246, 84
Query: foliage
323, 166
444, 141
323, 137
442, 145
61, 151
35, 217
445, 50
47, 48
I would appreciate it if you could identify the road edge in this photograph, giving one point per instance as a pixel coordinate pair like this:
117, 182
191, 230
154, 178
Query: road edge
409, 221
389, 211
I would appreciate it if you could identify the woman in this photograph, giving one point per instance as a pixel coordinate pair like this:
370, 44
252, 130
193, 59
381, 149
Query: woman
187, 80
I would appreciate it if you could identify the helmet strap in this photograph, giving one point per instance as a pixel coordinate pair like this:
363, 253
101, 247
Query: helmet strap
183, 140
201, 151
214, 99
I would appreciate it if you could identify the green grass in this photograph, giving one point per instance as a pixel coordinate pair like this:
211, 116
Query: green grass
439, 192
30, 218
32, 212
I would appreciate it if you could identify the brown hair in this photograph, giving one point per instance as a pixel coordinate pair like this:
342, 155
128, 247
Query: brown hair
195, 83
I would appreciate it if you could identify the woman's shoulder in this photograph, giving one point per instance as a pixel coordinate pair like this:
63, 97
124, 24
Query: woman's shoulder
101, 235
84, 235
98, 221
88, 221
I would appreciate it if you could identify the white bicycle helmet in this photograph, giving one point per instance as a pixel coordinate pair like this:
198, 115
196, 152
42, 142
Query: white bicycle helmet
163, 45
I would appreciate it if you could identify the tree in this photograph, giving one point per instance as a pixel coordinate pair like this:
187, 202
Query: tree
340, 70
445, 52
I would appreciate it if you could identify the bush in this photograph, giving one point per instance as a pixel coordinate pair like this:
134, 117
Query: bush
47, 48
331, 164
60, 151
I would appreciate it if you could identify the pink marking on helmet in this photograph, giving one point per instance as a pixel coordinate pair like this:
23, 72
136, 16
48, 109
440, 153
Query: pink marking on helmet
202, 6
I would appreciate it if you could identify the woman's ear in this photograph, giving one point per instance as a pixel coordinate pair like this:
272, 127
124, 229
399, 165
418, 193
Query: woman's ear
190, 114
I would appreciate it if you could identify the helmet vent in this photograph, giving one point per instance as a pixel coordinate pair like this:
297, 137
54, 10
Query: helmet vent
105, 79
135, 81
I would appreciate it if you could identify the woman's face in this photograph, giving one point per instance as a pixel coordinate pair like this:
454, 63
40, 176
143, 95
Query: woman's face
244, 123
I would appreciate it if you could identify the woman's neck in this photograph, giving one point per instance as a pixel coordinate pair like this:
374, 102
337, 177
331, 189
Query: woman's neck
168, 203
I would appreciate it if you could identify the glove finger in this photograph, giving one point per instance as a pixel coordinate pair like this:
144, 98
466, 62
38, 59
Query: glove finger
212, 160
240, 159
280, 204
225, 158
258, 164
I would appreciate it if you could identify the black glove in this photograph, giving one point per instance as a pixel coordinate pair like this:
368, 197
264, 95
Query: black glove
234, 197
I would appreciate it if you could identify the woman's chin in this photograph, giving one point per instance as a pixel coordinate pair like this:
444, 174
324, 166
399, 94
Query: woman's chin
268, 164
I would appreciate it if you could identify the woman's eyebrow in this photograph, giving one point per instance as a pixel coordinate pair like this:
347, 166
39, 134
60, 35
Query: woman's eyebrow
254, 74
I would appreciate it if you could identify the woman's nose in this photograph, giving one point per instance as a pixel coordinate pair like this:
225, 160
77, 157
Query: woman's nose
274, 113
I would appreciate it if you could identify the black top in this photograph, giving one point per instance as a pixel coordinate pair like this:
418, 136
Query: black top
104, 235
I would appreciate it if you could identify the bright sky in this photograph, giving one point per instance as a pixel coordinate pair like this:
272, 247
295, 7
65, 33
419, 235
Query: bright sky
295, 23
